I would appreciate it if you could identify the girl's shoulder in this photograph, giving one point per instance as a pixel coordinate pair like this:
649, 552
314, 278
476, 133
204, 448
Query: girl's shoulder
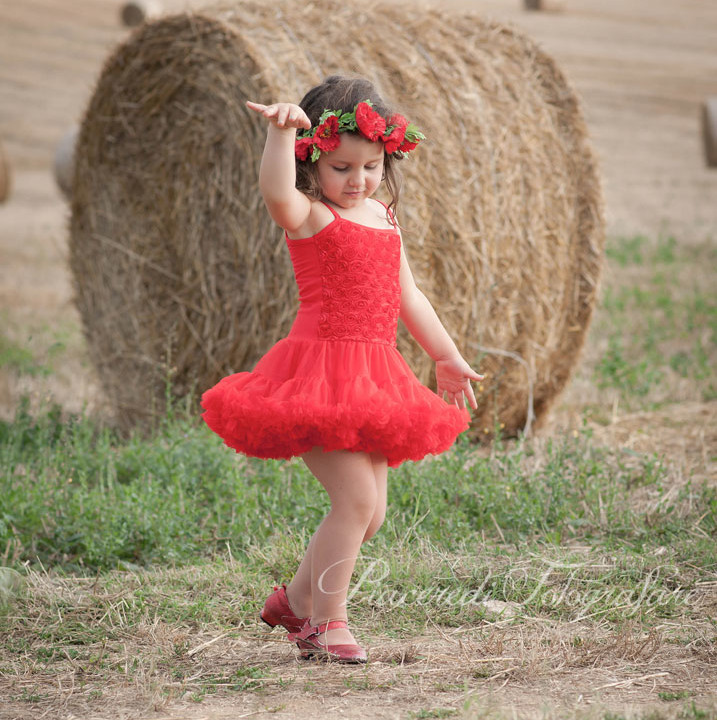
373, 214
319, 217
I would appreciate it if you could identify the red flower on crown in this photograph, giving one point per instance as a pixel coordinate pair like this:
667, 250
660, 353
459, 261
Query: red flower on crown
369, 122
326, 137
302, 148
397, 134
407, 146
395, 138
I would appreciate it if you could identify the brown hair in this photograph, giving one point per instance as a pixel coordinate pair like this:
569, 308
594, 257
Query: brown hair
339, 92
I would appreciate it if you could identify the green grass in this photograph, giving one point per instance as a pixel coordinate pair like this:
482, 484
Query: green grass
658, 313
19, 359
37, 354
118, 536
76, 496
462, 528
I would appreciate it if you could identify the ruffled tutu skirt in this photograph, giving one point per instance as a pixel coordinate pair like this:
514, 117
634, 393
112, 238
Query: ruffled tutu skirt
337, 395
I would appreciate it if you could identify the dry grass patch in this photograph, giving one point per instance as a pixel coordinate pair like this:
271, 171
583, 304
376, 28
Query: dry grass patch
684, 434
105, 647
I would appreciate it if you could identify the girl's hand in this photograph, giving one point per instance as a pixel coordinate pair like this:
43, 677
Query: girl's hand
453, 381
283, 115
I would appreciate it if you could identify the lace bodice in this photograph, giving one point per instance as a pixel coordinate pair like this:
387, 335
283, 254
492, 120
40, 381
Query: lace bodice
348, 277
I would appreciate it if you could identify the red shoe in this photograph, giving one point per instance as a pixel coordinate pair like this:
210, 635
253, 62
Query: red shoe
277, 611
308, 642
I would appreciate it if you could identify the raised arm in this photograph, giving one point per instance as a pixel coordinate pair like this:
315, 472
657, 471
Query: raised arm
453, 373
288, 207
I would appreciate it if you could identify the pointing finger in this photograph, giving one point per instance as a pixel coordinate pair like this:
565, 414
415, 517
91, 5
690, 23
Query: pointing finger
256, 107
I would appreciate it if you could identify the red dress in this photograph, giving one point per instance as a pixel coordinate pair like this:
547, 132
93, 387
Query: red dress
337, 380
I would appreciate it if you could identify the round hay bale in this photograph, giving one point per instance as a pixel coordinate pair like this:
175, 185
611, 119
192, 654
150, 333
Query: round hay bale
180, 274
546, 5
64, 165
709, 130
4, 176
139, 11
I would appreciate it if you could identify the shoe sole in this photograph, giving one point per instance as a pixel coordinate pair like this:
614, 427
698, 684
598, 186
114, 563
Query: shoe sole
321, 655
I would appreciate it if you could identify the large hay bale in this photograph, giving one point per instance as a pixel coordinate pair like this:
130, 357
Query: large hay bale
547, 5
180, 273
5, 181
709, 130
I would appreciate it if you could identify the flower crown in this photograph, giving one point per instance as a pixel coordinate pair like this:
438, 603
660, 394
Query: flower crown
398, 135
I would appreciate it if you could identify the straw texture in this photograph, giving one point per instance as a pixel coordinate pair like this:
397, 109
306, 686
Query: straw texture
179, 271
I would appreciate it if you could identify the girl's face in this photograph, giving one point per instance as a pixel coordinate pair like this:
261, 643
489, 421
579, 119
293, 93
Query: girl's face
351, 173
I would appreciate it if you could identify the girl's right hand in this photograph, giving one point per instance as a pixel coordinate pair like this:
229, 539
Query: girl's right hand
283, 115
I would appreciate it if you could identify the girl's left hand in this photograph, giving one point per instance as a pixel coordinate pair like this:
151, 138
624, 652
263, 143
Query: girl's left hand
453, 381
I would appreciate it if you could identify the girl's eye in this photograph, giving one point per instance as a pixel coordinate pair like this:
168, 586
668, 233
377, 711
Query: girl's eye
344, 168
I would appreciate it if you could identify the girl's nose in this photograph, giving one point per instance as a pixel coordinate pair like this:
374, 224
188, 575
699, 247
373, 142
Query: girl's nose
356, 179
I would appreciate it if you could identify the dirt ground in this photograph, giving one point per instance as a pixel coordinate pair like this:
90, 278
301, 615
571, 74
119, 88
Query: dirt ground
642, 69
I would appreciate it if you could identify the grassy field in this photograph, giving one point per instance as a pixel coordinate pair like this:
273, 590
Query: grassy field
568, 575
554, 576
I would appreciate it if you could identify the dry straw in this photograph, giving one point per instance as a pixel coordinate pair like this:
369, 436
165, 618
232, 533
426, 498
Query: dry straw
181, 274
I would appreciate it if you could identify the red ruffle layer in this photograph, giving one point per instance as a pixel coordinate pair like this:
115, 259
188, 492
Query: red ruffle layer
357, 396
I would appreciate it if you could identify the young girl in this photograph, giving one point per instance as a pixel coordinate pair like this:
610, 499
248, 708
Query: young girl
336, 391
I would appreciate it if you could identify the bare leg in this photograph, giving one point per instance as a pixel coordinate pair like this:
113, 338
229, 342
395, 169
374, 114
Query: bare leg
299, 589
357, 506
380, 471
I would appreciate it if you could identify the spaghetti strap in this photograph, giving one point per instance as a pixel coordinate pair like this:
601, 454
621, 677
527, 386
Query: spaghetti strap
389, 212
335, 214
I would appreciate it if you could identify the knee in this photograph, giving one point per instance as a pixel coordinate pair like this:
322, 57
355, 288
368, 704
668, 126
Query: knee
359, 506
376, 521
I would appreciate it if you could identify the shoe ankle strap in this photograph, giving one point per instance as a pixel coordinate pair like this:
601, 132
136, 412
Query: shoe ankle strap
331, 625
310, 630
